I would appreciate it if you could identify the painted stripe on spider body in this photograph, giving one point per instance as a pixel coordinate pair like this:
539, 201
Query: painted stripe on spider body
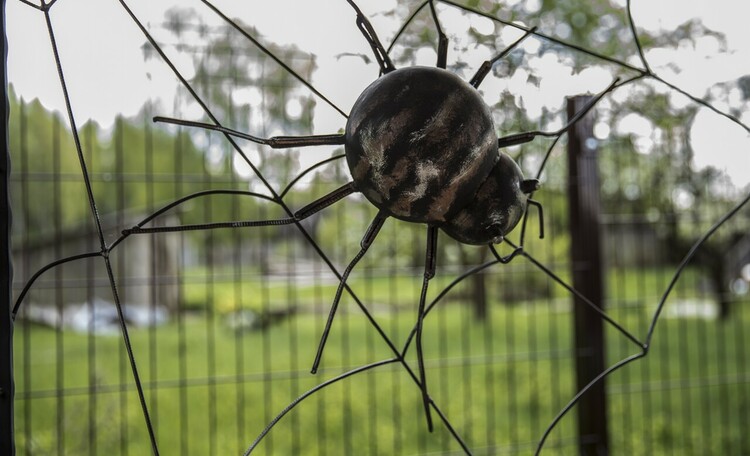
419, 143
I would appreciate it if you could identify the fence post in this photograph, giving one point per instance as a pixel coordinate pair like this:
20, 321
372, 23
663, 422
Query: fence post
7, 445
587, 268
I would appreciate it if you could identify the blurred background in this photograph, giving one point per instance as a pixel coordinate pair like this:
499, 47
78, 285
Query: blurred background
224, 322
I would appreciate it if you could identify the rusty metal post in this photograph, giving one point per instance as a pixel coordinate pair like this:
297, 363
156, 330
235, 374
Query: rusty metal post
588, 273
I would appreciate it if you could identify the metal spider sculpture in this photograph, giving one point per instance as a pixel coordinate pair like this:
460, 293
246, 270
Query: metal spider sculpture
421, 146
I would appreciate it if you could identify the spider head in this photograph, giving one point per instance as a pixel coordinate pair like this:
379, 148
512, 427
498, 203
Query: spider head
497, 207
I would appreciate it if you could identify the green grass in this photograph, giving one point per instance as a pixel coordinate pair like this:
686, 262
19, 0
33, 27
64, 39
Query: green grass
211, 390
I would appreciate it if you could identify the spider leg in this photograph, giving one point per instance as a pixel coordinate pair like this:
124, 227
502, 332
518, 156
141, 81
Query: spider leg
520, 138
276, 142
429, 273
316, 206
487, 65
517, 250
325, 201
365, 27
539, 208
442, 39
365, 244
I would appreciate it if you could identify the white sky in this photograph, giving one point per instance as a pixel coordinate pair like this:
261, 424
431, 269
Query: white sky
104, 66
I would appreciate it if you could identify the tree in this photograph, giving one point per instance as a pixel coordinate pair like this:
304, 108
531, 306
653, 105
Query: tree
244, 87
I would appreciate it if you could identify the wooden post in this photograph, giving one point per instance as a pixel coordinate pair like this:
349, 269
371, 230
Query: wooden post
7, 391
588, 273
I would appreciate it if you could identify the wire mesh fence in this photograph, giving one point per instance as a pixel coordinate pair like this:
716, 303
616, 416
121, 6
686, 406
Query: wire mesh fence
223, 323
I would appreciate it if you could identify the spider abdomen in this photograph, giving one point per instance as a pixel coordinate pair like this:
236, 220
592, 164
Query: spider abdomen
419, 143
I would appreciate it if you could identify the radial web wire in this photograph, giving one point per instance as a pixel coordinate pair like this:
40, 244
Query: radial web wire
276, 197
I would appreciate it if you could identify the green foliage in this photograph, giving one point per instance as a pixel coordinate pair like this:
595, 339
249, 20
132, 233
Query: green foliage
36, 147
124, 166
136, 167
500, 384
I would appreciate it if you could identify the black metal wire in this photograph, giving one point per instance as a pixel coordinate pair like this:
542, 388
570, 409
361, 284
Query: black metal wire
486, 66
58, 295
620, 63
684, 263
120, 207
33, 5
654, 319
278, 200
314, 390
23, 133
7, 380
406, 23
276, 142
182, 366
544, 36
442, 50
310, 169
274, 57
369, 237
381, 55
148, 147
198, 382
265, 183
575, 292
100, 232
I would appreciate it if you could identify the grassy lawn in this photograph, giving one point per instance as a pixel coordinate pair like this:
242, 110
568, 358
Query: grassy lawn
212, 390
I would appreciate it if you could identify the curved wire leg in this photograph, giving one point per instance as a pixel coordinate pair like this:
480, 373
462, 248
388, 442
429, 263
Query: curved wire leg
275, 142
316, 206
519, 249
442, 60
378, 50
484, 70
370, 235
539, 207
429, 273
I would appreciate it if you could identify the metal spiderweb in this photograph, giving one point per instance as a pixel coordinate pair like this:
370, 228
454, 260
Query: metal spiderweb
276, 197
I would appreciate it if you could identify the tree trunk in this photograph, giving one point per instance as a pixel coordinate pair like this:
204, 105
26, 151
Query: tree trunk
718, 285
477, 292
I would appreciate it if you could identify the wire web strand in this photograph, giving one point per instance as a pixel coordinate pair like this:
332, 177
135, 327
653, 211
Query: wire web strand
276, 198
